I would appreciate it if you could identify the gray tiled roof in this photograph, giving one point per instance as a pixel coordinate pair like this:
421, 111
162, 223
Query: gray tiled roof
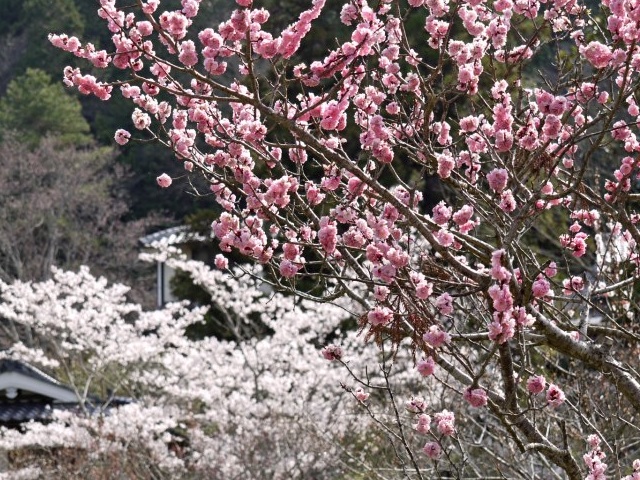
18, 412
37, 407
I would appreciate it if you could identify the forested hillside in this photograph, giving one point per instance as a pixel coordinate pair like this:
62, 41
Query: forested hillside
69, 196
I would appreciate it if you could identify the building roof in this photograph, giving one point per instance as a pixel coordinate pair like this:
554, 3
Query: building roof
7, 365
19, 412
26, 393
173, 236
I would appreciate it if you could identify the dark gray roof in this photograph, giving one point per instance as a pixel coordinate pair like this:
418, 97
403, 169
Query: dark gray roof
19, 412
37, 407
40, 410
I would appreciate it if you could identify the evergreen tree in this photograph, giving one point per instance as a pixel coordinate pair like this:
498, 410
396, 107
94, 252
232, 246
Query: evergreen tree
34, 107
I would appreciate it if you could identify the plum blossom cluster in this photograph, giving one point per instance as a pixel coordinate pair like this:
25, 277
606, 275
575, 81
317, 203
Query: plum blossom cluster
593, 459
528, 260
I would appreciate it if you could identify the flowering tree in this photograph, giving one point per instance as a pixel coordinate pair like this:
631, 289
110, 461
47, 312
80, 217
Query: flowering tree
249, 408
526, 112
58, 207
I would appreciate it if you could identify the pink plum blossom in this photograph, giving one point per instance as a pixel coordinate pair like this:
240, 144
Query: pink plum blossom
361, 395
424, 424
436, 337
444, 303
540, 287
426, 366
445, 422
416, 404
433, 450
598, 54
476, 397
555, 396
498, 179
536, 384
332, 352
122, 136
221, 262
380, 316
164, 180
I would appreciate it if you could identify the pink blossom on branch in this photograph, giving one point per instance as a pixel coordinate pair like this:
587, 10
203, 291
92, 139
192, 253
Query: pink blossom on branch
122, 137
164, 180
555, 396
361, 395
436, 337
322, 179
332, 352
536, 384
424, 424
426, 366
380, 316
498, 179
432, 450
445, 422
476, 397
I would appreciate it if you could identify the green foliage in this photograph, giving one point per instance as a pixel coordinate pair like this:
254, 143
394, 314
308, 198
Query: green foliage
11, 16
52, 15
217, 322
24, 27
35, 107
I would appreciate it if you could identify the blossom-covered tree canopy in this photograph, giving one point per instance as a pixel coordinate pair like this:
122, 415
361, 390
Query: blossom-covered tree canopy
208, 407
519, 283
